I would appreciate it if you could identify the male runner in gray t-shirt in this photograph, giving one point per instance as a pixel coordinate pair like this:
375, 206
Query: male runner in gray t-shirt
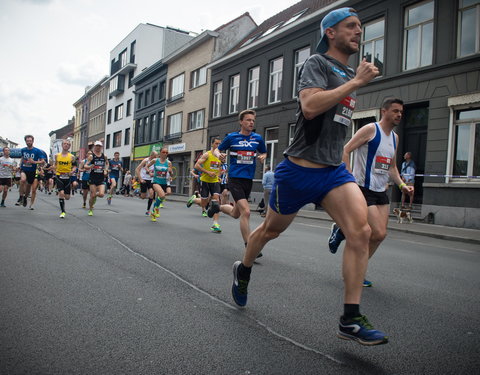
313, 172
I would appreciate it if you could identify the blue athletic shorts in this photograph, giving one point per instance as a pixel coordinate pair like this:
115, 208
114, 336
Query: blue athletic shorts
296, 186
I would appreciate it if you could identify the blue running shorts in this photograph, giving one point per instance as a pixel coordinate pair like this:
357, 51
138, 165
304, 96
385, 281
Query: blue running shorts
296, 186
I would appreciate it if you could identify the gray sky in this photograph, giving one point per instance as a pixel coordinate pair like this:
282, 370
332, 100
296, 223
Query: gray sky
52, 49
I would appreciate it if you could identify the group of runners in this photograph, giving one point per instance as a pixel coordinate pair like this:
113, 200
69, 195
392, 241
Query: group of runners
316, 169
96, 172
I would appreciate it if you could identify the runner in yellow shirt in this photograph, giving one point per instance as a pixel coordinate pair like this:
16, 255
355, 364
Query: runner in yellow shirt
210, 166
64, 168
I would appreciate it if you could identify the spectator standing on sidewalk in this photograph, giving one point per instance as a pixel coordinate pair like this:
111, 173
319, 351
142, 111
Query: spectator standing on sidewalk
408, 176
127, 181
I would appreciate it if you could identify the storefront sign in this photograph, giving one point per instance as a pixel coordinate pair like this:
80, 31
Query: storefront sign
179, 147
142, 152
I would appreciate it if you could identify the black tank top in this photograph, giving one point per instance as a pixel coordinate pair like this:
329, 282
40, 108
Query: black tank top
98, 163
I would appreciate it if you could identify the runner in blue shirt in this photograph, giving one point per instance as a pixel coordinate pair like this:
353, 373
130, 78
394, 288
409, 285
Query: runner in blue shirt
116, 166
31, 158
245, 148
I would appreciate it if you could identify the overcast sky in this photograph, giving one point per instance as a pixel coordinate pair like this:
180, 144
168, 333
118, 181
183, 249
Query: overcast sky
52, 49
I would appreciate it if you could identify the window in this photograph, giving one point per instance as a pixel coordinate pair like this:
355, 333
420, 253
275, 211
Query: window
271, 141
253, 79
129, 107
468, 27
195, 119
140, 99
123, 58
154, 93
161, 93
154, 126
291, 133
418, 36
139, 130
147, 98
271, 30
198, 77
118, 112
132, 51
146, 130
177, 87
372, 43
127, 137
217, 99
161, 116
174, 125
234, 90
275, 84
109, 116
295, 17
117, 139
107, 143
130, 78
300, 56
466, 158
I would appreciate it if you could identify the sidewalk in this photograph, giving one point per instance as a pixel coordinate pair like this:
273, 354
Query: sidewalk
429, 230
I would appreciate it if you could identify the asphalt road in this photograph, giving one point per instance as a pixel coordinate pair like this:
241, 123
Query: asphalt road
118, 294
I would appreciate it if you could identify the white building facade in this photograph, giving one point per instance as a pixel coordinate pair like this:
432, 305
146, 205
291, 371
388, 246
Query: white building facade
142, 47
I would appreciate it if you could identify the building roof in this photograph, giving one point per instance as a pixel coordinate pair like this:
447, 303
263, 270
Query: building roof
282, 22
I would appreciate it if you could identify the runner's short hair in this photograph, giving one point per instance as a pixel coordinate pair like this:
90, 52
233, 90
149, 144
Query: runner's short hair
389, 101
29, 136
246, 112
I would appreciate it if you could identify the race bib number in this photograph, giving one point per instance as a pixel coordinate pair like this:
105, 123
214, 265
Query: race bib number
345, 111
215, 165
382, 164
98, 169
161, 173
245, 157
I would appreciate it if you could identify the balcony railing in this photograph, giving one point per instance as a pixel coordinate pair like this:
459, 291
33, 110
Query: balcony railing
117, 68
175, 98
169, 137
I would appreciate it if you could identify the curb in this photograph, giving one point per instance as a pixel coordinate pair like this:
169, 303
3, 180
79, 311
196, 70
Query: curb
315, 215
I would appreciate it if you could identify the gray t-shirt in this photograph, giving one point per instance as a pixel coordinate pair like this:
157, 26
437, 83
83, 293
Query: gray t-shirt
321, 139
6, 165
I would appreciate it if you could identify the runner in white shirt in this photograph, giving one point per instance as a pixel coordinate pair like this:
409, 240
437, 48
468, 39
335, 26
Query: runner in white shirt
7, 170
145, 176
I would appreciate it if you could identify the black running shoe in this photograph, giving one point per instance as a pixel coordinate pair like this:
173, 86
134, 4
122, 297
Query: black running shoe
239, 287
214, 209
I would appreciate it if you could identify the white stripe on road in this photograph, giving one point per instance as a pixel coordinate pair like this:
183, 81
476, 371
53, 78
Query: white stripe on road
196, 288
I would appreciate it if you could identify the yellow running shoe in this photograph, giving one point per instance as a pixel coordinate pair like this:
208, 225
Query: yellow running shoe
157, 212
90, 212
62, 215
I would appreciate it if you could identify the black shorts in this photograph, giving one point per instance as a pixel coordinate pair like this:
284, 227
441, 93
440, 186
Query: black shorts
145, 186
48, 176
96, 179
240, 188
85, 185
63, 184
374, 198
31, 176
6, 181
223, 187
163, 186
209, 188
